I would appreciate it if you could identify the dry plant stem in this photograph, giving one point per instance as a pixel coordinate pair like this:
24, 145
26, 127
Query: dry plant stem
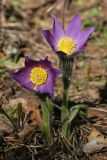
63, 14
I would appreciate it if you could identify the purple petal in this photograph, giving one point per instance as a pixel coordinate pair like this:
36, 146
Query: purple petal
30, 62
45, 63
22, 77
48, 87
49, 37
83, 37
78, 50
58, 31
29, 86
55, 72
62, 54
74, 28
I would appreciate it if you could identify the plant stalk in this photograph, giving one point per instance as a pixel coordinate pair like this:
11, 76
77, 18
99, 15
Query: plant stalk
46, 128
65, 111
66, 65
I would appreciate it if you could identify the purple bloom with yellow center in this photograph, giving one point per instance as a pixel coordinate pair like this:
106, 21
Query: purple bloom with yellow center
37, 76
70, 42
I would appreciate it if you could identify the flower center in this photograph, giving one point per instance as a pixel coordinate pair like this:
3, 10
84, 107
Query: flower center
66, 45
38, 76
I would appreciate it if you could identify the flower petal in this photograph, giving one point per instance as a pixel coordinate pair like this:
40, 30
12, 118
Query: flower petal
78, 50
49, 37
83, 37
48, 87
45, 63
22, 76
74, 28
55, 72
29, 61
58, 31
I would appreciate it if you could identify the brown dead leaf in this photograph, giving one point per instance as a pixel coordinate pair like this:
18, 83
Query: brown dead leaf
30, 103
28, 117
96, 113
12, 138
97, 142
99, 118
102, 122
27, 132
4, 126
100, 156
98, 136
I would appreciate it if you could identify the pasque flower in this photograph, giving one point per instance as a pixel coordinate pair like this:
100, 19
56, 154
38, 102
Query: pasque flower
37, 76
70, 42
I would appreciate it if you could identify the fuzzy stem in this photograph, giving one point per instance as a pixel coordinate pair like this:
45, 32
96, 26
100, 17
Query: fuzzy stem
65, 111
66, 65
46, 128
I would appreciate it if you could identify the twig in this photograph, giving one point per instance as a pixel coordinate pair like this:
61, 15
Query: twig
63, 14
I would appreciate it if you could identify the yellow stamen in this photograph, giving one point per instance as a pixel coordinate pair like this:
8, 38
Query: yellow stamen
38, 76
66, 45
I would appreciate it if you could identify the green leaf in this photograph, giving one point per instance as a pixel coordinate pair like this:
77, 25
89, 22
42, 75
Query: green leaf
80, 106
73, 115
46, 128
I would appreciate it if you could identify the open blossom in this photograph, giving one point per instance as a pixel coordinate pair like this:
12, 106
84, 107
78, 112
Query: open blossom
37, 76
70, 42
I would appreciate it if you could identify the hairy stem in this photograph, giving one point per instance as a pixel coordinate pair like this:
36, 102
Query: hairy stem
65, 111
46, 128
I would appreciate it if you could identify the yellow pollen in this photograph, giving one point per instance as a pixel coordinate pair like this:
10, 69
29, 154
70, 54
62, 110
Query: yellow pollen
66, 45
38, 76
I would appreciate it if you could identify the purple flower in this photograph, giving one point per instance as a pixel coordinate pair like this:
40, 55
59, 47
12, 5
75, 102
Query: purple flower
37, 76
70, 42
